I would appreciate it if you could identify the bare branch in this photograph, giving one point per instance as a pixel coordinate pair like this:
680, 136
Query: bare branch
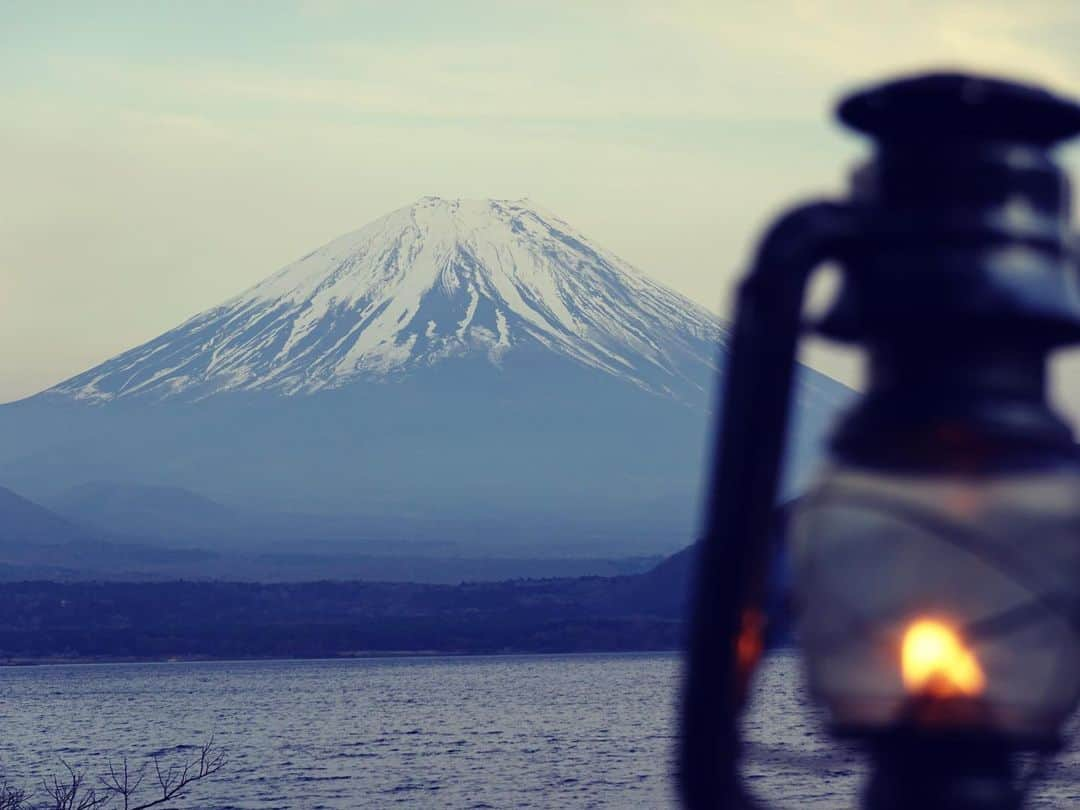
173, 781
120, 783
12, 798
70, 793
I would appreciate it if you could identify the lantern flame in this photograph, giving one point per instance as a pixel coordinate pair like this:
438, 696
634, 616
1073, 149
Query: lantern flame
935, 662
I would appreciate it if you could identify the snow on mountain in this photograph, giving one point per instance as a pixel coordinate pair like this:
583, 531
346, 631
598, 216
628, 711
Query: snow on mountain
435, 280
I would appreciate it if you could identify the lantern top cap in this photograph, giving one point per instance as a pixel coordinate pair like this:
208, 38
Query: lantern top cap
960, 107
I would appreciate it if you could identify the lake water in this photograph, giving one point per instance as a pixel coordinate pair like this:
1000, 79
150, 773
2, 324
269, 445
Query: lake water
589, 731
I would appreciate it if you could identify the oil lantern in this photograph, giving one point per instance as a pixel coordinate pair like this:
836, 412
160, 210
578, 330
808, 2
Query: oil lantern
937, 557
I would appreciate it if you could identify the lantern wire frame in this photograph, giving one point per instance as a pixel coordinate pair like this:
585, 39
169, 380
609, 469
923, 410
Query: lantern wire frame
976, 543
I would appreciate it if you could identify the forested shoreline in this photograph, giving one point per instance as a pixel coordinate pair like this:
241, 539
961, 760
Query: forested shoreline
101, 621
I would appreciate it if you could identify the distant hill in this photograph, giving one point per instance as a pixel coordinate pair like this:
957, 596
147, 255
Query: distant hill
172, 516
176, 517
148, 511
666, 589
38, 544
101, 538
24, 522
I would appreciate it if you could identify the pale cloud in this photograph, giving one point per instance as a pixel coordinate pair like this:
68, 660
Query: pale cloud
530, 82
837, 41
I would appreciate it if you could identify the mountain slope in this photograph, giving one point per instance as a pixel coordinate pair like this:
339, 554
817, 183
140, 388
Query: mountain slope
471, 375
437, 280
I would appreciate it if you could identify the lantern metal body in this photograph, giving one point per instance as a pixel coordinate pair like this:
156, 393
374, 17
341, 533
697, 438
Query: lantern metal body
937, 559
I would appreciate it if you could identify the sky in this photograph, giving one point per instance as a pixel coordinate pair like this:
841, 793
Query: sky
158, 158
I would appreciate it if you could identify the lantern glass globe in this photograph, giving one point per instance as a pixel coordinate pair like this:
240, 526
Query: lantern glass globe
941, 603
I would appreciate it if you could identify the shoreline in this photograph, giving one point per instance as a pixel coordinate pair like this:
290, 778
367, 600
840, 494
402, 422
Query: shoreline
365, 655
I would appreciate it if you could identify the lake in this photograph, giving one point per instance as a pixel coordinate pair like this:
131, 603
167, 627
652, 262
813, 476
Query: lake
588, 731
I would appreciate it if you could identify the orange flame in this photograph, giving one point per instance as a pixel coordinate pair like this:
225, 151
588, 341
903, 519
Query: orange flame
935, 662
751, 641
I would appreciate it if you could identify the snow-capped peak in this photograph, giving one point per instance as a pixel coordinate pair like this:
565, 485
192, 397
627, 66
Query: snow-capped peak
435, 280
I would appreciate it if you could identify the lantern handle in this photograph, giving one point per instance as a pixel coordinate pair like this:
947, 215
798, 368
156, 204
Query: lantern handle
727, 623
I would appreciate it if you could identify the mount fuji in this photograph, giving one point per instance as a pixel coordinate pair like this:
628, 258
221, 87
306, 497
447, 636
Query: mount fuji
474, 374
438, 280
